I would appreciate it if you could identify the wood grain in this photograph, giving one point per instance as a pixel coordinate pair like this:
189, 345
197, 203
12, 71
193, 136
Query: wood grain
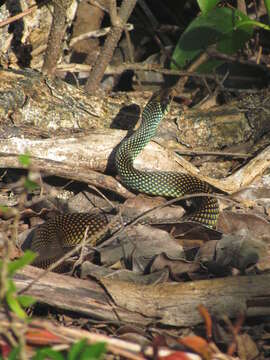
172, 304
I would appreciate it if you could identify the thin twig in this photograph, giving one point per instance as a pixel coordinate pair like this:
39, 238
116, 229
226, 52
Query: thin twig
97, 33
212, 153
80, 260
113, 12
57, 32
99, 5
18, 16
119, 69
111, 42
102, 195
153, 22
212, 53
194, 66
140, 217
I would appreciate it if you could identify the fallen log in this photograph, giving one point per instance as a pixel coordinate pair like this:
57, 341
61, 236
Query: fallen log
35, 110
172, 304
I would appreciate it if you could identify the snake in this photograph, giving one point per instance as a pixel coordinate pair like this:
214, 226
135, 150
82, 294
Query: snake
58, 235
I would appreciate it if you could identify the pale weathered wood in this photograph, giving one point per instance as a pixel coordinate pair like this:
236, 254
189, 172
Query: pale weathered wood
85, 152
81, 296
78, 158
40, 107
169, 303
73, 158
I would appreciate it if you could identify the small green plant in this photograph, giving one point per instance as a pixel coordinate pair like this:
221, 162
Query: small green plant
29, 184
267, 6
227, 29
25, 160
207, 5
8, 292
14, 354
17, 303
78, 351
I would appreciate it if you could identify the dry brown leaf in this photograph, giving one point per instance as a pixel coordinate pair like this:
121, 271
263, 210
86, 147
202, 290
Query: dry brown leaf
232, 251
89, 269
140, 244
176, 267
248, 224
134, 207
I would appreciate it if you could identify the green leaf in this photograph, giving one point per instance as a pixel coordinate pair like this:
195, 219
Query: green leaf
228, 28
207, 5
209, 65
48, 353
267, 6
254, 23
76, 349
94, 352
26, 300
11, 288
3, 208
25, 160
30, 185
26, 259
14, 354
15, 306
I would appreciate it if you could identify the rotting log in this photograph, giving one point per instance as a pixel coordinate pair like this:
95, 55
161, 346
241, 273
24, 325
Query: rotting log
30, 100
85, 158
38, 116
172, 304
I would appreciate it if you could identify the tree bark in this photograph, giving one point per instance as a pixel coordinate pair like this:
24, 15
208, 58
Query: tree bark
32, 103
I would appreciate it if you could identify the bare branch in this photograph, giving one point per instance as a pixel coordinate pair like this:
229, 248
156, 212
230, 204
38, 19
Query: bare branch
110, 44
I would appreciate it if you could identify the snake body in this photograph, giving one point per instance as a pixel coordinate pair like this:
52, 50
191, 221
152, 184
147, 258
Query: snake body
163, 183
57, 236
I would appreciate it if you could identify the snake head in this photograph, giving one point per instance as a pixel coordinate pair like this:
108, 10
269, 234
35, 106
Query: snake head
164, 98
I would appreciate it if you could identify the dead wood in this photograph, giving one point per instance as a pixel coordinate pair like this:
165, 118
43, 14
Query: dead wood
55, 40
67, 335
34, 107
169, 304
72, 158
80, 296
29, 99
79, 158
118, 21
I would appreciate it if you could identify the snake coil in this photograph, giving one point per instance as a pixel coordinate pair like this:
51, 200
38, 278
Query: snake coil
57, 236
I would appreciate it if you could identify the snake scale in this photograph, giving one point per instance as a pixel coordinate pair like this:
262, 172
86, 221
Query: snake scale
58, 235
